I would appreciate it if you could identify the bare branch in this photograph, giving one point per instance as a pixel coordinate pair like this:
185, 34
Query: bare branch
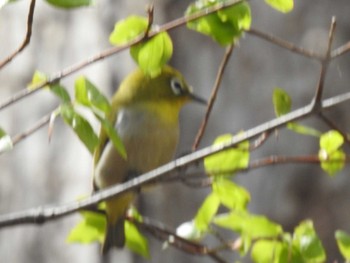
285, 44
114, 50
163, 233
40, 215
27, 37
340, 50
324, 64
213, 95
38, 125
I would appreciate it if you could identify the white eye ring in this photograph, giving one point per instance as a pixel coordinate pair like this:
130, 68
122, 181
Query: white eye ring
176, 86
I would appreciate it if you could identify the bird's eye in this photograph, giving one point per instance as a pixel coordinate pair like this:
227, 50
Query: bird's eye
176, 86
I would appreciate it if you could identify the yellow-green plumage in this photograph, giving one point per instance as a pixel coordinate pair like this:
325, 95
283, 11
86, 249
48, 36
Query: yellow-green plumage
145, 113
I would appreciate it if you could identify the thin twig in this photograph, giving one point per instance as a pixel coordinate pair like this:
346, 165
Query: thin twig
285, 44
213, 95
163, 233
38, 125
340, 50
150, 12
114, 50
260, 141
41, 215
324, 64
27, 36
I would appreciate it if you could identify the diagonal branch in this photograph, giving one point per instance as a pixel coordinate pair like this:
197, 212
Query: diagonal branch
40, 215
324, 65
114, 50
213, 95
285, 44
27, 37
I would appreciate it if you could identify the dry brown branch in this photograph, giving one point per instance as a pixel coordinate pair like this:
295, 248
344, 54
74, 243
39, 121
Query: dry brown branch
213, 95
27, 36
114, 50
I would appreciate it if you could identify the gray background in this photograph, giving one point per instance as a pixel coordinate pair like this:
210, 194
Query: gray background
38, 173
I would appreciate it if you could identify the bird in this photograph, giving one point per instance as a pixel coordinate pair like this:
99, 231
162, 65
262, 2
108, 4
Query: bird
145, 113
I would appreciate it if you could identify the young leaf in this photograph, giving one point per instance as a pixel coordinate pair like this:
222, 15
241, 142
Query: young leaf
90, 229
5, 141
88, 95
230, 194
80, 126
61, 93
153, 54
206, 212
225, 26
283, 6
70, 3
343, 242
331, 141
135, 241
270, 251
306, 241
37, 79
281, 101
302, 129
40, 78
247, 225
112, 135
227, 161
332, 158
128, 29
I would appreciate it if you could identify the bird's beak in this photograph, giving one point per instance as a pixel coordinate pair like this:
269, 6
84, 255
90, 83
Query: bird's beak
198, 99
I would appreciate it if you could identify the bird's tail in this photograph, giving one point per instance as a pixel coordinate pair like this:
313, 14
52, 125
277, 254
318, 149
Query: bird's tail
115, 236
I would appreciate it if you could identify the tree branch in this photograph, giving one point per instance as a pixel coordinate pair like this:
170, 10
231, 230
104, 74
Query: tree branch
285, 44
213, 95
27, 37
42, 214
114, 50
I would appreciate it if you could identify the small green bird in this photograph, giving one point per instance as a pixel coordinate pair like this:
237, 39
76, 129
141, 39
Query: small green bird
145, 113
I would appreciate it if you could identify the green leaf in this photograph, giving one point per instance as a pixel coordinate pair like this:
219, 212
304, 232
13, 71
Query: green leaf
230, 194
302, 129
332, 158
153, 54
306, 241
113, 136
333, 163
343, 242
90, 229
248, 225
331, 141
6, 143
88, 95
38, 79
206, 212
227, 161
225, 26
128, 29
281, 101
283, 6
135, 241
70, 3
80, 126
270, 251
61, 93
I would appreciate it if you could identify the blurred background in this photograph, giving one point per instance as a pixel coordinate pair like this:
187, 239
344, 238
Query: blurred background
40, 173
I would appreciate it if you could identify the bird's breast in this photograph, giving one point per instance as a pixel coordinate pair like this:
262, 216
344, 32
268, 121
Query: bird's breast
150, 141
